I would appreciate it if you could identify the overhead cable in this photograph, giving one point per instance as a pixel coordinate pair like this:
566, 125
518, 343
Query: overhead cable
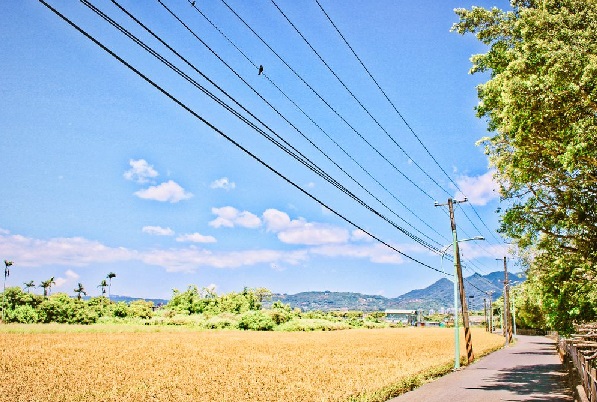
224, 135
289, 150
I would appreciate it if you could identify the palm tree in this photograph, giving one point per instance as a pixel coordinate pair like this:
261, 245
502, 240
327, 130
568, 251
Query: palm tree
103, 284
6, 273
29, 285
80, 290
6, 270
110, 276
47, 285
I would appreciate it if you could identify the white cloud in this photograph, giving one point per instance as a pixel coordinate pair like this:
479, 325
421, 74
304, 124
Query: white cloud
192, 258
140, 171
321, 240
313, 234
231, 217
195, 238
478, 189
377, 253
275, 220
359, 235
169, 191
472, 250
71, 278
299, 231
157, 231
223, 183
71, 251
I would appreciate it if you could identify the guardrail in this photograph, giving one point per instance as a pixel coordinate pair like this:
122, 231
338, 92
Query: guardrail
580, 351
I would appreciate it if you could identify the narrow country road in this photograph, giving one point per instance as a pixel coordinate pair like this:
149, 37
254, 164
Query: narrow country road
529, 370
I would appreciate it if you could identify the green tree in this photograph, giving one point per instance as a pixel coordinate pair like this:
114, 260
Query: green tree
103, 285
79, 290
29, 285
109, 277
47, 285
62, 308
541, 107
529, 309
263, 294
7, 265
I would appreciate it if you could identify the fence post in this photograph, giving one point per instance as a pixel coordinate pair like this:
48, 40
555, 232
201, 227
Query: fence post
587, 378
593, 386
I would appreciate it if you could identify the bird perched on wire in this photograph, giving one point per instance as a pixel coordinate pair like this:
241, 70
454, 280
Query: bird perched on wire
193, 3
260, 70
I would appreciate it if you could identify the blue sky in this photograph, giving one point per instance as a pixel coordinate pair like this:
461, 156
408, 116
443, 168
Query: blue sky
101, 172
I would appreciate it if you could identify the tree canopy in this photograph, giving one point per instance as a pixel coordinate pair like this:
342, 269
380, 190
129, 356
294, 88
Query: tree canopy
540, 103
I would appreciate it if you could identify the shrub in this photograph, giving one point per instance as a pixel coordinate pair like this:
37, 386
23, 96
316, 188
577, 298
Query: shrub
312, 325
222, 321
141, 309
279, 316
23, 314
256, 321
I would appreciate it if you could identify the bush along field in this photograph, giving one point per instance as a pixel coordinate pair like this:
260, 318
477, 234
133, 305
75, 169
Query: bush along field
195, 308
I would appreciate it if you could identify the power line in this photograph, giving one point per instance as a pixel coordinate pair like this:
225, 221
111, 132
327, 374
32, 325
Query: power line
292, 152
231, 140
315, 123
328, 104
354, 96
405, 122
277, 111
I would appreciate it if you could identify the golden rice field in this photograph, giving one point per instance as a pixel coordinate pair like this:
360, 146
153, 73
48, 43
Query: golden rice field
60, 364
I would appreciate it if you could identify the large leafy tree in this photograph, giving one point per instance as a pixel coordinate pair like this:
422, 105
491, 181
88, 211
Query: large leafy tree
540, 104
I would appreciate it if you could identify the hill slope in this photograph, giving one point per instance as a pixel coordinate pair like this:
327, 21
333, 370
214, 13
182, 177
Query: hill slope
437, 296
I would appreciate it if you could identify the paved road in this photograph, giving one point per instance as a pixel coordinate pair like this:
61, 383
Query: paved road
530, 370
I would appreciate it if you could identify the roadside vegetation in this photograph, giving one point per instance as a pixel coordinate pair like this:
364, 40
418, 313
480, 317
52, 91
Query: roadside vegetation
540, 105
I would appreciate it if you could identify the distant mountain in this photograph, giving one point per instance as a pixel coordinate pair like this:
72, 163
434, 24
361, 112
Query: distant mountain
127, 299
437, 296
327, 301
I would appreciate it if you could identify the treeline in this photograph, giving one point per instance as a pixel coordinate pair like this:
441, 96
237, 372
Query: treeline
22, 307
540, 106
197, 308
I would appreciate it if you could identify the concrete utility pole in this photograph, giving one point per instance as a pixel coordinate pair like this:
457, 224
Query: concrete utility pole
485, 315
507, 320
460, 281
490, 310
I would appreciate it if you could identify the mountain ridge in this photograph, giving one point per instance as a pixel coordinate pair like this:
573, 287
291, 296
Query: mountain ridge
438, 296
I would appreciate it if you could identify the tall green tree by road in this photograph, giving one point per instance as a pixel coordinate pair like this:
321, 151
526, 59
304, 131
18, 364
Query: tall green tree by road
541, 107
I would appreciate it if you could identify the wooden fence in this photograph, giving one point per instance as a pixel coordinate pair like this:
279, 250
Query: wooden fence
580, 351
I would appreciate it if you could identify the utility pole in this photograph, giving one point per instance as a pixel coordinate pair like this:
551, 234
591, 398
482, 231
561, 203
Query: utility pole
490, 311
458, 273
507, 327
514, 312
485, 314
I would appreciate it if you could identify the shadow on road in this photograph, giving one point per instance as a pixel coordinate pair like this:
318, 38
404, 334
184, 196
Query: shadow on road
546, 381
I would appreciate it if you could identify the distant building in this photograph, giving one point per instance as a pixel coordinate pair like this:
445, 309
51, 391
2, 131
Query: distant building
407, 317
